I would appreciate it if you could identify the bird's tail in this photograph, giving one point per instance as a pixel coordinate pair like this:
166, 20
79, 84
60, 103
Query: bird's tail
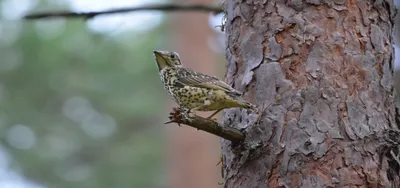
248, 105
239, 102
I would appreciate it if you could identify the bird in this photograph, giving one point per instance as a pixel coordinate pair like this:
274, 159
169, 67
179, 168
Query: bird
195, 91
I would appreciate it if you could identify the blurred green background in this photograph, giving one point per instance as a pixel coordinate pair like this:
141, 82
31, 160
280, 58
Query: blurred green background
80, 101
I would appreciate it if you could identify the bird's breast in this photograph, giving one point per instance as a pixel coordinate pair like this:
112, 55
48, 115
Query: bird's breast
168, 78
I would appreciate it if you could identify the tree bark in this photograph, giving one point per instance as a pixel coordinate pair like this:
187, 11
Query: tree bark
324, 69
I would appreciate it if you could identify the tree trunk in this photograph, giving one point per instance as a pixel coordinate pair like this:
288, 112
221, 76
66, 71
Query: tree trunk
323, 70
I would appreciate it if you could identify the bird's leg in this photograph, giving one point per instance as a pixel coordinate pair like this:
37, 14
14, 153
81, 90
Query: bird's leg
196, 108
212, 115
186, 111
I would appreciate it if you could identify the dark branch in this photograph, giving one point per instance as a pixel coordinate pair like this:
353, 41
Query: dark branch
207, 125
88, 15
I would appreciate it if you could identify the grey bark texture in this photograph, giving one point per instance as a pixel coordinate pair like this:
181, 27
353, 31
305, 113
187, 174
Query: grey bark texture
324, 71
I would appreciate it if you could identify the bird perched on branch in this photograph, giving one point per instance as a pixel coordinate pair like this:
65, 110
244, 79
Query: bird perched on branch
195, 91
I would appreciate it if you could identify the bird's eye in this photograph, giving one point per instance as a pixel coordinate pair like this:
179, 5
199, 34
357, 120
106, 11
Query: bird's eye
172, 56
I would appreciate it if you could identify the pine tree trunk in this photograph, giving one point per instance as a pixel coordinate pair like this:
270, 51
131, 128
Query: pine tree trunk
323, 70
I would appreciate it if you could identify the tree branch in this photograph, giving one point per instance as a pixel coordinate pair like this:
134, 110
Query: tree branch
207, 125
88, 15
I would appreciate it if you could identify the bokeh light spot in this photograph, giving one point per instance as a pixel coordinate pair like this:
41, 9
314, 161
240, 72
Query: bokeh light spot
75, 173
15, 9
21, 137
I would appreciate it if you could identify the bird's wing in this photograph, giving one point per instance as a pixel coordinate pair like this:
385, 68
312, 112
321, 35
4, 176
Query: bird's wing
196, 79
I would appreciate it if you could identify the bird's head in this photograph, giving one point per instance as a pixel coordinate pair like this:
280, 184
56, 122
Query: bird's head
166, 59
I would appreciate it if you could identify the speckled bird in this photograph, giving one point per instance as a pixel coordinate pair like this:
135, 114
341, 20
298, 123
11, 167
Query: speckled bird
195, 91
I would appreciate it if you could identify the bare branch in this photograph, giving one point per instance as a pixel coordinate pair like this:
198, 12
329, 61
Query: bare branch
88, 15
207, 125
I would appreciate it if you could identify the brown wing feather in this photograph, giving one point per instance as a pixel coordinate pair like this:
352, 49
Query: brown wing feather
196, 79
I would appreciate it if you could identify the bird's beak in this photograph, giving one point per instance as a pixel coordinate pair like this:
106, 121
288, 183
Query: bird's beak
157, 53
161, 61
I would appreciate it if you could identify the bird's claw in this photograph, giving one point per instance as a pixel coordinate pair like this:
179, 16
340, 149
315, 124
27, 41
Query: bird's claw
175, 116
188, 113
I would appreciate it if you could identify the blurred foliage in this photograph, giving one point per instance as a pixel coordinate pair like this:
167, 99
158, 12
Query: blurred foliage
77, 108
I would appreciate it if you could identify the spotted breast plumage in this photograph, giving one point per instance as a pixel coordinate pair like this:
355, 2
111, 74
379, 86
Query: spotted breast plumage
193, 90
